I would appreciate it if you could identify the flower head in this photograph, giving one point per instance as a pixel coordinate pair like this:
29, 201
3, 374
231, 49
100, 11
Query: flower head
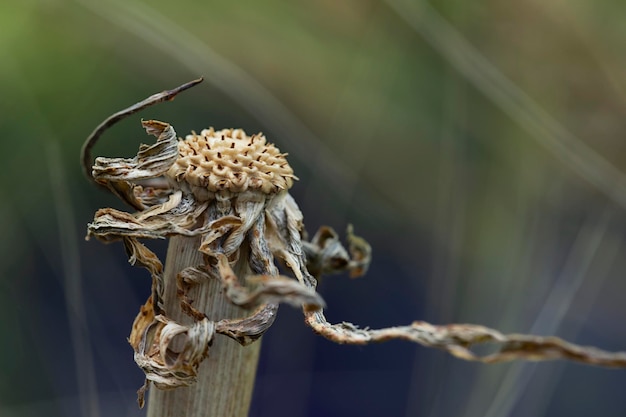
230, 160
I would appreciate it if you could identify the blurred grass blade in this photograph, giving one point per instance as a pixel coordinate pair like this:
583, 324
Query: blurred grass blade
76, 311
589, 241
520, 107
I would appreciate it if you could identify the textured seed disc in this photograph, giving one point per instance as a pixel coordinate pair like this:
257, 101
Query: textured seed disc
230, 160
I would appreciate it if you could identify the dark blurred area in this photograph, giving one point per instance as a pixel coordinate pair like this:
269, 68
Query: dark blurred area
478, 146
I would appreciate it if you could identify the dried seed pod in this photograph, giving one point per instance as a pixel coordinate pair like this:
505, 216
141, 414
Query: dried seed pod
228, 159
231, 191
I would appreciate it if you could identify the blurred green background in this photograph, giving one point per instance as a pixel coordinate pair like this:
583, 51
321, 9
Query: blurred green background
479, 146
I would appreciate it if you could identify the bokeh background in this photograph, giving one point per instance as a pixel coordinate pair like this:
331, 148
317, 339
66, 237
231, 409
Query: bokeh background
479, 147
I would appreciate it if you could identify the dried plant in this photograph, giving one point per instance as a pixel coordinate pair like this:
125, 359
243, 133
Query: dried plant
229, 192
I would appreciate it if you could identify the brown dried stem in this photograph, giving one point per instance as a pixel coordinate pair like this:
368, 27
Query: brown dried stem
225, 378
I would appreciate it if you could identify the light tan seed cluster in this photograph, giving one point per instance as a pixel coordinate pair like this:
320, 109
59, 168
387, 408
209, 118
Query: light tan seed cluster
230, 160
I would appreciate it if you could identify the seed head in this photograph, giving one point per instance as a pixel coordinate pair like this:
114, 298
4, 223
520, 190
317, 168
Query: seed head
230, 160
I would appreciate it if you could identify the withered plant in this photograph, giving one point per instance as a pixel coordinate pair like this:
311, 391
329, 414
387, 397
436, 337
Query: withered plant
222, 198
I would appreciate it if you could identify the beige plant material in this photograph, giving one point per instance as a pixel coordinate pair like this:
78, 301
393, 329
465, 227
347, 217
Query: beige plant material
229, 160
231, 190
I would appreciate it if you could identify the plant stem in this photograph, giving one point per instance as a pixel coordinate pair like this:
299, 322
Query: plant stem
226, 376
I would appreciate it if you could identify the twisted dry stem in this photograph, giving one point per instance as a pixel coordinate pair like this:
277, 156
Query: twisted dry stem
227, 192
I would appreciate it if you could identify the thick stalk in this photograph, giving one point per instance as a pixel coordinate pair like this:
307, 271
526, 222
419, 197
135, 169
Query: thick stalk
226, 376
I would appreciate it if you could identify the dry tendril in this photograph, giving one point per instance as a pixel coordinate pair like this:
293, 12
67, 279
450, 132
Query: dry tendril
231, 191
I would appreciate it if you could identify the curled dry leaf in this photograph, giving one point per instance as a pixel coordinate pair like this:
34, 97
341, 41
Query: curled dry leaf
231, 190
457, 339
